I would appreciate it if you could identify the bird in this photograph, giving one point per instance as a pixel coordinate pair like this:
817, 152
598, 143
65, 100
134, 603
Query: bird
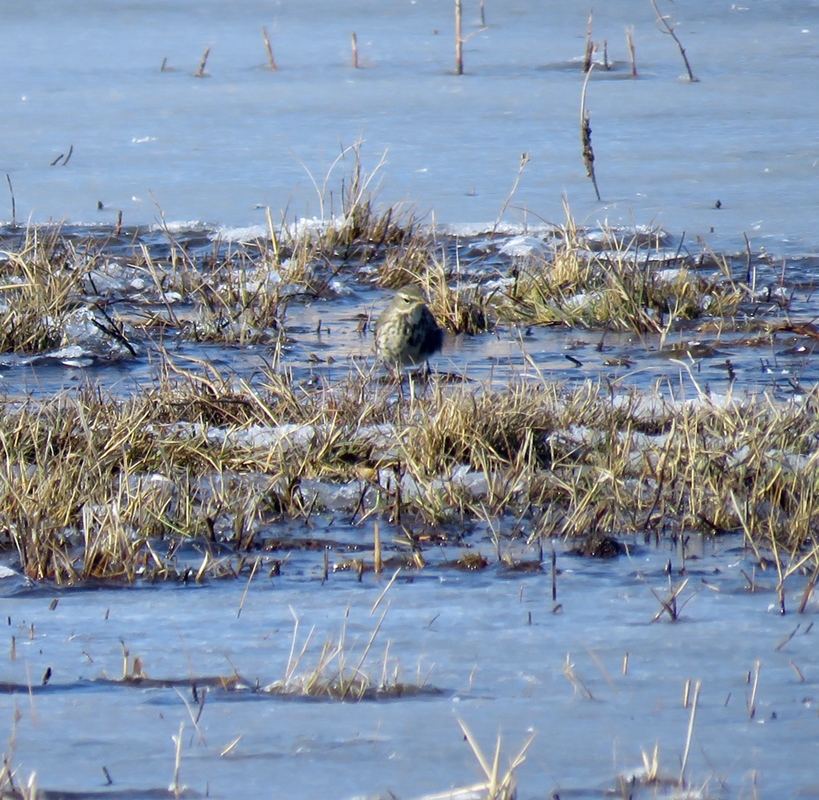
406, 333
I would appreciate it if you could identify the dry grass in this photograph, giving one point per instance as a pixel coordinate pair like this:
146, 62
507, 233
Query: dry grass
499, 785
12, 784
234, 293
339, 668
97, 487
240, 292
42, 282
343, 673
626, 285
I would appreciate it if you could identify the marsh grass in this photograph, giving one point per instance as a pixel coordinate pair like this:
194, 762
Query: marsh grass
240, 292
97, 487
458, 308
236, 293
500, 784
341, 672
94, 487
10, 784
671, 605
42, 282
626, 286
244, 301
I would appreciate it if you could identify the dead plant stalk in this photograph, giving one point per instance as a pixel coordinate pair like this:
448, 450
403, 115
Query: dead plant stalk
586, 137
666, 27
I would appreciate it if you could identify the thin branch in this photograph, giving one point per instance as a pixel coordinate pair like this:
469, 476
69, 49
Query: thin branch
524, 160
667, 28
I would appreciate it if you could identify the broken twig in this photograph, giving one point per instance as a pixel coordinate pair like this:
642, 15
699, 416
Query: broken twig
666, 27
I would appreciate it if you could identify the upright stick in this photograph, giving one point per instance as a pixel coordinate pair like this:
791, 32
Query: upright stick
201, 71
459, 40
271, 62
13, 205
697, 687
631, 55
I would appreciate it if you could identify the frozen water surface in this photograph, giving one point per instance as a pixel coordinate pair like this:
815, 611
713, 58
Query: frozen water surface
83, 77
221, 148
496, 646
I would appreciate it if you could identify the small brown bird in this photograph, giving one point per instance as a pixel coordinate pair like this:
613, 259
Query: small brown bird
406, 333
